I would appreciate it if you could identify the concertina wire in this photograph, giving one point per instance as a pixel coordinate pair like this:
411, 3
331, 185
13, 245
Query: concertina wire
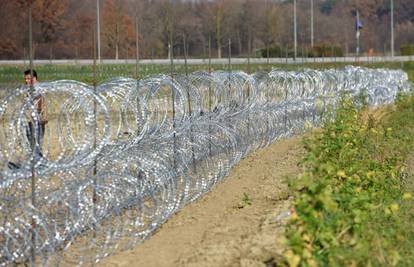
118, 159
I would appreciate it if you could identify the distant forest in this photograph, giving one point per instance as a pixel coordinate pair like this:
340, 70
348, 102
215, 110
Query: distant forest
64, 29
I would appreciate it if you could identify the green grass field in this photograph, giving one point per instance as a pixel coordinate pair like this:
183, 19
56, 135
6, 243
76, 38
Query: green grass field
84, 73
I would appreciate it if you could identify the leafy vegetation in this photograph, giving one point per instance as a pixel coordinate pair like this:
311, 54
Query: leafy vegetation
245, 201
407, 49
320, 50
354, 203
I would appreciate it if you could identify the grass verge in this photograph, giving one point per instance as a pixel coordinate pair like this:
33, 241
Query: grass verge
353, 204
84, 73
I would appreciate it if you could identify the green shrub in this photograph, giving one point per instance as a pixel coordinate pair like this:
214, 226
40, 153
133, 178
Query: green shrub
353, 206
274, 51
326, 51
317, 51
407, 49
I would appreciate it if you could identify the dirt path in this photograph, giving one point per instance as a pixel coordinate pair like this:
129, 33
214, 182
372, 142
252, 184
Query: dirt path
221, 229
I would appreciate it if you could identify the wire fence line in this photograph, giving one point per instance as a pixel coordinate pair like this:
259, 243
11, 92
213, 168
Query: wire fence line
118, 159
84, 71
216, 61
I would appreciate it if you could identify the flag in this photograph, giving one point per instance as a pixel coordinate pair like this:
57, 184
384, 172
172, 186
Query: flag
358, 25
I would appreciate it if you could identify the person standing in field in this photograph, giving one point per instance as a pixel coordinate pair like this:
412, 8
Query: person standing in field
35, 128
37, 124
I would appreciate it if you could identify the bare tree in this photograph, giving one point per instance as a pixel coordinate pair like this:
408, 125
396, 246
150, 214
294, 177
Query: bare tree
117, 25
65, 25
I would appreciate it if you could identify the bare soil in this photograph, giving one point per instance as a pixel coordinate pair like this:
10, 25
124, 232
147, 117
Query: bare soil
239, 223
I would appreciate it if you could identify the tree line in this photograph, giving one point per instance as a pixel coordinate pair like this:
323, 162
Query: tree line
65, 29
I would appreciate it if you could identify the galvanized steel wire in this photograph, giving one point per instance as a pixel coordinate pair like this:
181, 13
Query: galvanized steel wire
120, 158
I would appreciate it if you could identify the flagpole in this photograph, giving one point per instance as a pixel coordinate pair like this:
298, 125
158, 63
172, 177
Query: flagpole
357, 33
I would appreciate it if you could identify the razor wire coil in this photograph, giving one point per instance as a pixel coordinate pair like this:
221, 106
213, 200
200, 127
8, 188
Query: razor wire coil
120, 158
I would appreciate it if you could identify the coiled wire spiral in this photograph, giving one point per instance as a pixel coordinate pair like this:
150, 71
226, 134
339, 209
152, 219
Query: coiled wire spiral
120, 158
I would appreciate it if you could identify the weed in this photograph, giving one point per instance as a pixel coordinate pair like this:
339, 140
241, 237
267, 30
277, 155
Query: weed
352, 204
245, 201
